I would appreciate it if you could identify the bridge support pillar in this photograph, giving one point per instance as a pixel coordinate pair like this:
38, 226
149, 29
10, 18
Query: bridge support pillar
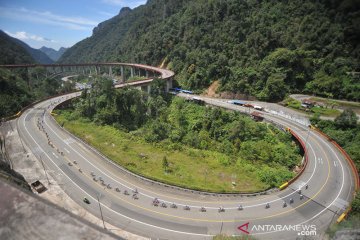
145, 88
168, 85
147, 73
110, 71
122, 74
132, 69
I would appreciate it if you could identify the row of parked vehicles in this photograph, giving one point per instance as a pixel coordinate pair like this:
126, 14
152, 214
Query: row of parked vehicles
245, 104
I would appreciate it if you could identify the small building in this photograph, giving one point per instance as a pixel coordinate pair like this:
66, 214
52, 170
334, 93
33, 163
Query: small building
257, 116
307, 103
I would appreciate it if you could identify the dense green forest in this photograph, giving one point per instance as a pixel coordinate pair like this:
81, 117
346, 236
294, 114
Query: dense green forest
19, 88
265, 48
174, 124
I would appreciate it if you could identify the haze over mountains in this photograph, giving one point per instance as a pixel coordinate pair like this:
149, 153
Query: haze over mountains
15, 51
266, 49
52, 53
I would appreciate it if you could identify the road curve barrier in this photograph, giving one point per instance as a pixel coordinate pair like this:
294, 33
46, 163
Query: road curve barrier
348, 158
286, 184
353, 167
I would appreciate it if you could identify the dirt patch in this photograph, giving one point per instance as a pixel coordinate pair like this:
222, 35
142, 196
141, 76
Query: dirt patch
212, 91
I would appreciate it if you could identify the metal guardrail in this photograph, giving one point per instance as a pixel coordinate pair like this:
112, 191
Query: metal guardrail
353, 167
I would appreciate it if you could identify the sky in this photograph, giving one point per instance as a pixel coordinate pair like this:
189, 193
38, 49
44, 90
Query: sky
57, 23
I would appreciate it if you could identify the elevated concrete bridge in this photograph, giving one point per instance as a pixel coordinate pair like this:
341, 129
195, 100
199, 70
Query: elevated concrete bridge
124, 70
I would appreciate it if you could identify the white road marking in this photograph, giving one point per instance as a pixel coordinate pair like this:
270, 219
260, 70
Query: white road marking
146, 224
152, 197
66, 150
68, 140
55, 155
343, 177
336, 198
342, 204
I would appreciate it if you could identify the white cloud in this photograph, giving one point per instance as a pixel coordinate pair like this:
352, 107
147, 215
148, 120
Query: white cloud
125, 3
27, 36
108, 14
46, 17
114, 2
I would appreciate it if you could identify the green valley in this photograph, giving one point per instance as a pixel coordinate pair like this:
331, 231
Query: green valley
181, 143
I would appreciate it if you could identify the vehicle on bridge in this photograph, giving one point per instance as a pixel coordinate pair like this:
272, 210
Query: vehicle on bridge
86, 200
257, 107
237, 102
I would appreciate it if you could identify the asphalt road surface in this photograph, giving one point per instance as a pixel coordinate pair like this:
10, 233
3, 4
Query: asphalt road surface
85, 173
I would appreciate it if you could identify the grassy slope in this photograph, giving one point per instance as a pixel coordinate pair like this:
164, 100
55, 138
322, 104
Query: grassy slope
196, 169
296, 105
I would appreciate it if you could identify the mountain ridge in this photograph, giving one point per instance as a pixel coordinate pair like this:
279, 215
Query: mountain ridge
52, 53
36, 54
266, 49
12, 52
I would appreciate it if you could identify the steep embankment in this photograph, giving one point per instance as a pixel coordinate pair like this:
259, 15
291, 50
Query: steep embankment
262, 48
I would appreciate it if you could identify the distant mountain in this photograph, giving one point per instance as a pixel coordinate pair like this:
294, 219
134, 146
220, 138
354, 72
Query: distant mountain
266, 48
52, 53
11, 52
38, 55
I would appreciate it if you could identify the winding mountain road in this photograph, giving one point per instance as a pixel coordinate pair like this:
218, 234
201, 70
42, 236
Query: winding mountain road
83, 172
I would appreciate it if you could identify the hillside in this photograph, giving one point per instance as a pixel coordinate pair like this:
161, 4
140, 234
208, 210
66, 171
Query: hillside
11, 52
266, 49
36, 54
16, 51
52, 53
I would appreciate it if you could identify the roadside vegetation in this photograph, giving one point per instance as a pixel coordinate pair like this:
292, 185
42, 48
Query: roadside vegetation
179, 142
346, 132
336, 103
316, 110
18, 88
352, 221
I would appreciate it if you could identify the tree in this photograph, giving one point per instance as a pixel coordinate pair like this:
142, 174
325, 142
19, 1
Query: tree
347, 119
355, 205
275, 89
165, 164
157, 87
